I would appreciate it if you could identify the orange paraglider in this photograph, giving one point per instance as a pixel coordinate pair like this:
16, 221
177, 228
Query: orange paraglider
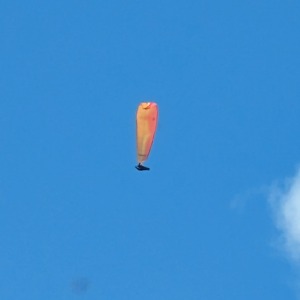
146, 123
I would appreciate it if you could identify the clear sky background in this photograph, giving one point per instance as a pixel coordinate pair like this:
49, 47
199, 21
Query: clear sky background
216, 217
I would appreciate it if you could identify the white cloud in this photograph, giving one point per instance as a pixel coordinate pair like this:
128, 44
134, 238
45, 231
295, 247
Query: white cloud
285, 201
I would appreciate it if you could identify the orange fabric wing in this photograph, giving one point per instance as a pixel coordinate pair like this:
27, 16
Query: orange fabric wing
146, 122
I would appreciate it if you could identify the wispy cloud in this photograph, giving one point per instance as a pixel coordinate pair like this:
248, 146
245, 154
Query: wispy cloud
240, 201
285, 201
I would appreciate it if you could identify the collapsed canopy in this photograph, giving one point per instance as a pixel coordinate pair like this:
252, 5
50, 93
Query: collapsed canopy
146, 122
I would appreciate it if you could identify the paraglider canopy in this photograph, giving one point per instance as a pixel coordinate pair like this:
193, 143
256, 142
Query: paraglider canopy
146, 123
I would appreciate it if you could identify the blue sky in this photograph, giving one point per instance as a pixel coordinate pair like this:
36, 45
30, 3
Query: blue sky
216, 217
